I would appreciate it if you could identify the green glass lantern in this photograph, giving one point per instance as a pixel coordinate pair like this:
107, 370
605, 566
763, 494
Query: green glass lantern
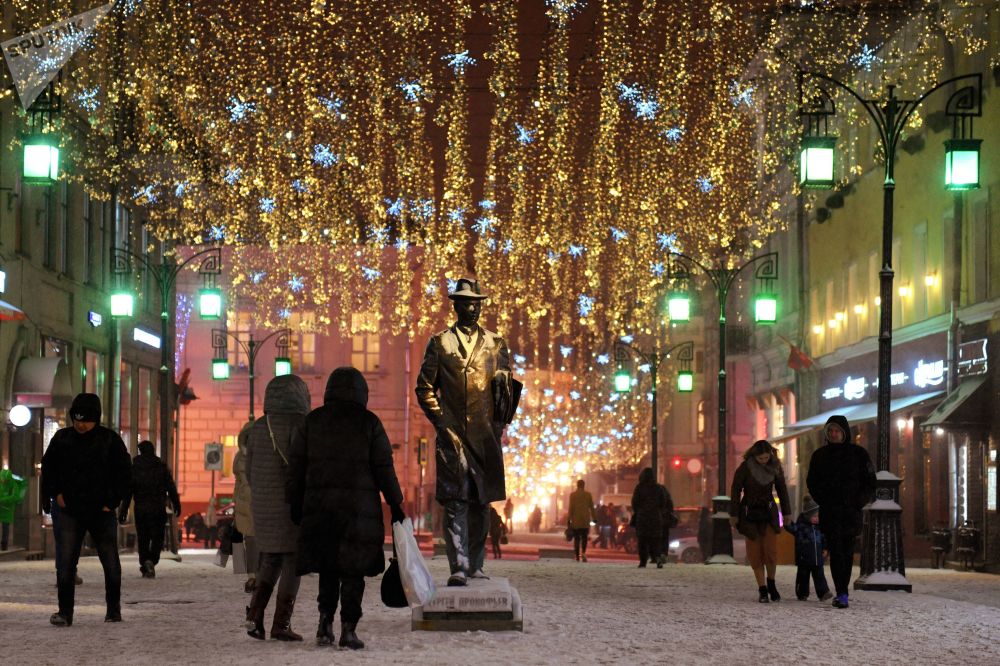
282, 366
679, 306
210, 303
765, 309
122, 303
220, 368
961, 164
41, 159
816, 161
623, 381
685, 381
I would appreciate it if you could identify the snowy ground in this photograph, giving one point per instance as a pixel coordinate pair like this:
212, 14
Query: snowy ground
575, 613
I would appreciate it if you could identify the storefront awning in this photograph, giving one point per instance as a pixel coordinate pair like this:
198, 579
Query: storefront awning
10, 312
42, 382
960, 407
855, 414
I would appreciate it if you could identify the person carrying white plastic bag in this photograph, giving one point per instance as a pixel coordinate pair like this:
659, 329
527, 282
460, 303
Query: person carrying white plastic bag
417, 581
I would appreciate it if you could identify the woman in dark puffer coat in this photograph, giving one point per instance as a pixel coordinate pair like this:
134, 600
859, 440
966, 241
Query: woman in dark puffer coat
340, 460
648, 503
286, 403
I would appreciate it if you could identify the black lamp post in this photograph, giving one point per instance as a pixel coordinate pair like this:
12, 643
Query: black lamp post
165, 273
654, 358
765, 312
220, 364
882, 563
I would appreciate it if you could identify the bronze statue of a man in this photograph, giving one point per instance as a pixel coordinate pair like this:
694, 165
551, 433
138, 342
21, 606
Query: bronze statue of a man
464, 388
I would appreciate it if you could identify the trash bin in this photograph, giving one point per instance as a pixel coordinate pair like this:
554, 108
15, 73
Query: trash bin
967, 544
940, 545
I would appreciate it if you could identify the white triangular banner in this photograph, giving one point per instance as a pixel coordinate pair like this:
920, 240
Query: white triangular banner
36, 57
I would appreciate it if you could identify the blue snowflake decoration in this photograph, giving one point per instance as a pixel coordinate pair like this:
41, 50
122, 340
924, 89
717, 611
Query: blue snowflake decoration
548, 392
257, 276
452, 285
322, 156
128, 7
673, 134
379, 235
459, 61
618, 235
87, 98
519, 359
508, 246
603, 359
575, 395
553, 256
238, 109
332, 104
423, 209
456, 215
412, 90
487, 204
584, 305
483, 225
491, 244
431, 289
576, 250
705, 184
402, 244
741, 95
566, 8
148, 193
217, 232
297, 284
233, 174
370, 274
667, 242
394, 207
645, 106
866, 59
181, 189
657, 268
299, 186
266, 205
524, 135
627, 339
284, 313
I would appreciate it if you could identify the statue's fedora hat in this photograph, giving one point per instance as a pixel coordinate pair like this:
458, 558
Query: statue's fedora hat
467, 289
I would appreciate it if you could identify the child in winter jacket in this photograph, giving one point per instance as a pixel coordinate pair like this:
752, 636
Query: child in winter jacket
810, 550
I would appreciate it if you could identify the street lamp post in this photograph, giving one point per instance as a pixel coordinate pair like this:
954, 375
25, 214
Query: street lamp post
165, 273
882, 562
765, 312
654, 359
220, 364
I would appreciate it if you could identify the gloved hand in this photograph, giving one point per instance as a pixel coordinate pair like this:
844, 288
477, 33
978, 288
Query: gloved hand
123, 516
397, 513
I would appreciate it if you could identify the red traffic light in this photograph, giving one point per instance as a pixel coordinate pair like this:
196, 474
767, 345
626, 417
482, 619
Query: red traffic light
677, 463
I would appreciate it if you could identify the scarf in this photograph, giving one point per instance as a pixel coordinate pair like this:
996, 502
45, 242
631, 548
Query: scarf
763, 474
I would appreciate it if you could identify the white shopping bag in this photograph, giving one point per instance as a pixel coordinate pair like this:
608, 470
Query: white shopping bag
239, 558
417, 581
220, 559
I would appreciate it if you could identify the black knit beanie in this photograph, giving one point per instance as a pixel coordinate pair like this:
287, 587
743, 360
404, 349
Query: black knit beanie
86, 407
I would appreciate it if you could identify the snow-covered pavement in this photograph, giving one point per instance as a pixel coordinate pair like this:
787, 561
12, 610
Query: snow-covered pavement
574, 613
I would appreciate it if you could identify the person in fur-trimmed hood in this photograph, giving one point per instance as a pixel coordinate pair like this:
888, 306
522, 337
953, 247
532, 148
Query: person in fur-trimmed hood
842, 479
754, 514
810, 552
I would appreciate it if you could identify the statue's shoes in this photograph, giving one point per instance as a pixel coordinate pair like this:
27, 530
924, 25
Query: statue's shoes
480, 574
458, 579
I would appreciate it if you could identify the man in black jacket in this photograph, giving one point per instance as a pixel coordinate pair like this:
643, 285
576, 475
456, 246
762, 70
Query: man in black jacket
842, 480
87, 469
151, 485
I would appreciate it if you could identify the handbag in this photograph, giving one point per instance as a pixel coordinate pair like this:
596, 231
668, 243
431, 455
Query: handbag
220, 558
569, 534
504, 540
758, 512
393, 594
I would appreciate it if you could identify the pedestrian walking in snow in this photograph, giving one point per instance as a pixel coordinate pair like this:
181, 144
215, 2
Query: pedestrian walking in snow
508, 516
535, 520
211, 522
842, 479
668, 522
87, 470
339, 462
581, 512
648, 502
243, 499
286, 403
754, 514
498, 530
152, 486
810, 552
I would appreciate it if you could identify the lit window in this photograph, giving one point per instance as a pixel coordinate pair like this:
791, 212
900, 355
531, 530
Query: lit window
365, 343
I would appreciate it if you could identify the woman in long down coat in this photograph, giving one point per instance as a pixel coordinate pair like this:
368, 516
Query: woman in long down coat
286, 403
340, 461
648, 502
754, 514
243, 516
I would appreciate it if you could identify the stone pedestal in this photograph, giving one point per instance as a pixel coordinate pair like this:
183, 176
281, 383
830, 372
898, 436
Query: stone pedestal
482, 605
722, 533
882, 563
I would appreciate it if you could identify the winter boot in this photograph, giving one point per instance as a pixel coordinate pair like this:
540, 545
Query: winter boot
250, 585
61, 619
113, 615
762, 590
150, 569
348, 638
281, 626
826, 596
773, 590
324, 632
840, 601
255, 611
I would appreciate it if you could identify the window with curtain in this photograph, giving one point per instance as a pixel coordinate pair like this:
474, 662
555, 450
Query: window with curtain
365, 344
238, 323
302, 341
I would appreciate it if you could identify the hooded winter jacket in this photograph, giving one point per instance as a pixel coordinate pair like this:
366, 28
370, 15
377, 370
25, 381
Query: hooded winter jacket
286, 403
91, 471
809, 542
648, 503
339, 461
751, 491
151, 486
842, 480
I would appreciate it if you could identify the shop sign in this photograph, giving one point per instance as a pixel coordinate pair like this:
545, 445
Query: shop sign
922, 375
972, 358
146, 338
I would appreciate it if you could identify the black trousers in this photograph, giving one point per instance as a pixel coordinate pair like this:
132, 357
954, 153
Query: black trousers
802, 575
149, 534
649, 548
103, 528
841, 560
580, 541
350, 590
